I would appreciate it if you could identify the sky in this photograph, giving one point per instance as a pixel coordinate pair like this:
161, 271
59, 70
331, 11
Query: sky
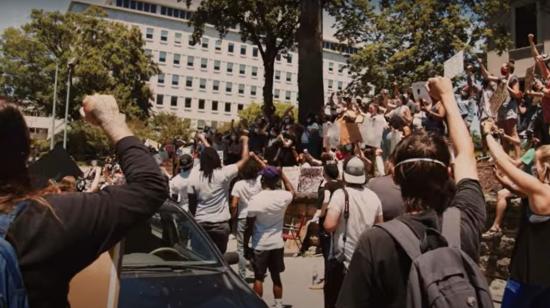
16, 12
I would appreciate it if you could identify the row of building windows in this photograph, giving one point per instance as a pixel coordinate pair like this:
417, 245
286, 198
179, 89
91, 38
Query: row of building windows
137, 5
201, 103
218, 44
177, 13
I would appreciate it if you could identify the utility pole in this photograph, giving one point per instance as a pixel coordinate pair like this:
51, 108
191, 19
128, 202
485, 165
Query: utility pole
70, 65
52, 139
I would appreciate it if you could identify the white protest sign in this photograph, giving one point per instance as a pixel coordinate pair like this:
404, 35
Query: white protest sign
293, 175
419, 91
310, 179
499, 97
454, 66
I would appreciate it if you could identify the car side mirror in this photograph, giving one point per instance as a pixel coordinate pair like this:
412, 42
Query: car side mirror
231, 258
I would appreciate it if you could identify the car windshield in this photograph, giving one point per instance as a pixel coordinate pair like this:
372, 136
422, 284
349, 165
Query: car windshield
168, 240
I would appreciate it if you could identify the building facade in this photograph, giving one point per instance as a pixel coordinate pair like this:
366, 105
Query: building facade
211, 81
524, 17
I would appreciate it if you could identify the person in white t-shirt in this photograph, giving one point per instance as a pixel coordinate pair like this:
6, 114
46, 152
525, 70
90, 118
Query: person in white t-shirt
208, 192
266, 212
179, 184
364, 209
244, 189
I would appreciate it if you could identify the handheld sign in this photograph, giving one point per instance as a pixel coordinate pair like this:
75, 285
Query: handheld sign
420, 91
454, 66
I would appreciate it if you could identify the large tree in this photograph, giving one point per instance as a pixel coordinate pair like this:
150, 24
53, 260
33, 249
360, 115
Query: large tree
109, 58
408, 41
269, 24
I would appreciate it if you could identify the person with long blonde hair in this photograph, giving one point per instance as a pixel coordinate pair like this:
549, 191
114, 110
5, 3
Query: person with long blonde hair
57, 235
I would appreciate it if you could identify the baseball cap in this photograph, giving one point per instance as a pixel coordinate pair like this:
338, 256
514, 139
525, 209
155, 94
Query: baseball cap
270, 173
186, 161
354, 171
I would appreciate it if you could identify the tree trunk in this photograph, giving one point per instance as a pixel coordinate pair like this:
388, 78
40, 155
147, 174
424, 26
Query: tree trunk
269, 65
310, 59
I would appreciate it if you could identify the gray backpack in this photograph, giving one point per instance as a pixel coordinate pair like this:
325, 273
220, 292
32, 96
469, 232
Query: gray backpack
444, 277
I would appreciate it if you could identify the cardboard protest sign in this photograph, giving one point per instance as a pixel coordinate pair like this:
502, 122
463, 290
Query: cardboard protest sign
349, 133
454, 66
98, 285
419, 91
310, 179
54, 165
499, 97
293, 175
529, 78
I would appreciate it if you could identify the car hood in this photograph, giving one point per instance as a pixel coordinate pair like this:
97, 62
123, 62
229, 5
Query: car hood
201, 290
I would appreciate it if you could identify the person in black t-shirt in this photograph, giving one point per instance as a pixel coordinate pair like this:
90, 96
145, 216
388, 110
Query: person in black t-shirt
378, 272
529, 283
56, 236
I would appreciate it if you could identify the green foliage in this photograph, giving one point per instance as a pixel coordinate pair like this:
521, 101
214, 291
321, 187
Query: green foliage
254, 110
270, 24
408, 41
86, 141
109, 59
167, 126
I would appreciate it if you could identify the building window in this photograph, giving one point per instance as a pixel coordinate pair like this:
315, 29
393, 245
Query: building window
277, 75
340, 68
190, 61
243, 50
254, 71
204, 43
214, 105
174, 101
242, 69
228, 107
288, 77
278, 58
189, 82
204, 63
148, 52
240, 107
201, 124
276, 93
160, 79
215, 85
230, 47
330, 82
252, 90
177, 58
217, 65
255, 52
175, 80
525, 23
191, 42
218, 45
228, 87
201, 104
202, 83
288, 95
241, 89
162, 57
330, 66
188, 102
160, 99
289, 58
149, 33
177, 38
339, 85
163, 36
229, 67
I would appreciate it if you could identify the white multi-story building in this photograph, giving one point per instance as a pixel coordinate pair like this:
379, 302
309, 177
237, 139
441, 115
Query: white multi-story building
210, 82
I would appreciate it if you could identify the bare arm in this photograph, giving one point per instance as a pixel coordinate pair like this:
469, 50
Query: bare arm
465, 163
485, 73
538, 59
234, 206
245, 155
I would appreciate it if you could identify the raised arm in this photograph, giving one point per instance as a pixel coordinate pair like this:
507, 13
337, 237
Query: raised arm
538, 59
245, 155
441, 89
485, 73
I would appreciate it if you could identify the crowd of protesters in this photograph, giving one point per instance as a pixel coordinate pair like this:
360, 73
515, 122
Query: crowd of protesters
396, 161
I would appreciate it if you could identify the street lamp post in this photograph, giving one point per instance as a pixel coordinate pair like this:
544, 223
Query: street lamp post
70, 65
52, 139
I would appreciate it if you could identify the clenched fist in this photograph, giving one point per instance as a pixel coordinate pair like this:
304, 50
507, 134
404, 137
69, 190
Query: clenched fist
439, 87
102, 110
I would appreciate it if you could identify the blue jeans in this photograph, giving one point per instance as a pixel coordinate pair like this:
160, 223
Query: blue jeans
241, 226
520, 295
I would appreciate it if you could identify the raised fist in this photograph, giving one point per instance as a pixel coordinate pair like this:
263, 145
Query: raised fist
101, 109
531, 38
439, 87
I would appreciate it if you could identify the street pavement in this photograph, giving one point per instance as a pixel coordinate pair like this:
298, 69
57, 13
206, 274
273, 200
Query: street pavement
296, 278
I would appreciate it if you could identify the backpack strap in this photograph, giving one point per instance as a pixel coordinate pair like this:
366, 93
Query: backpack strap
7, 218
451, 226
346, 214
404, 236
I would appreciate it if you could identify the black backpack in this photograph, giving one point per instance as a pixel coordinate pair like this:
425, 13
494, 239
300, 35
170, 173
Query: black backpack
444, 277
